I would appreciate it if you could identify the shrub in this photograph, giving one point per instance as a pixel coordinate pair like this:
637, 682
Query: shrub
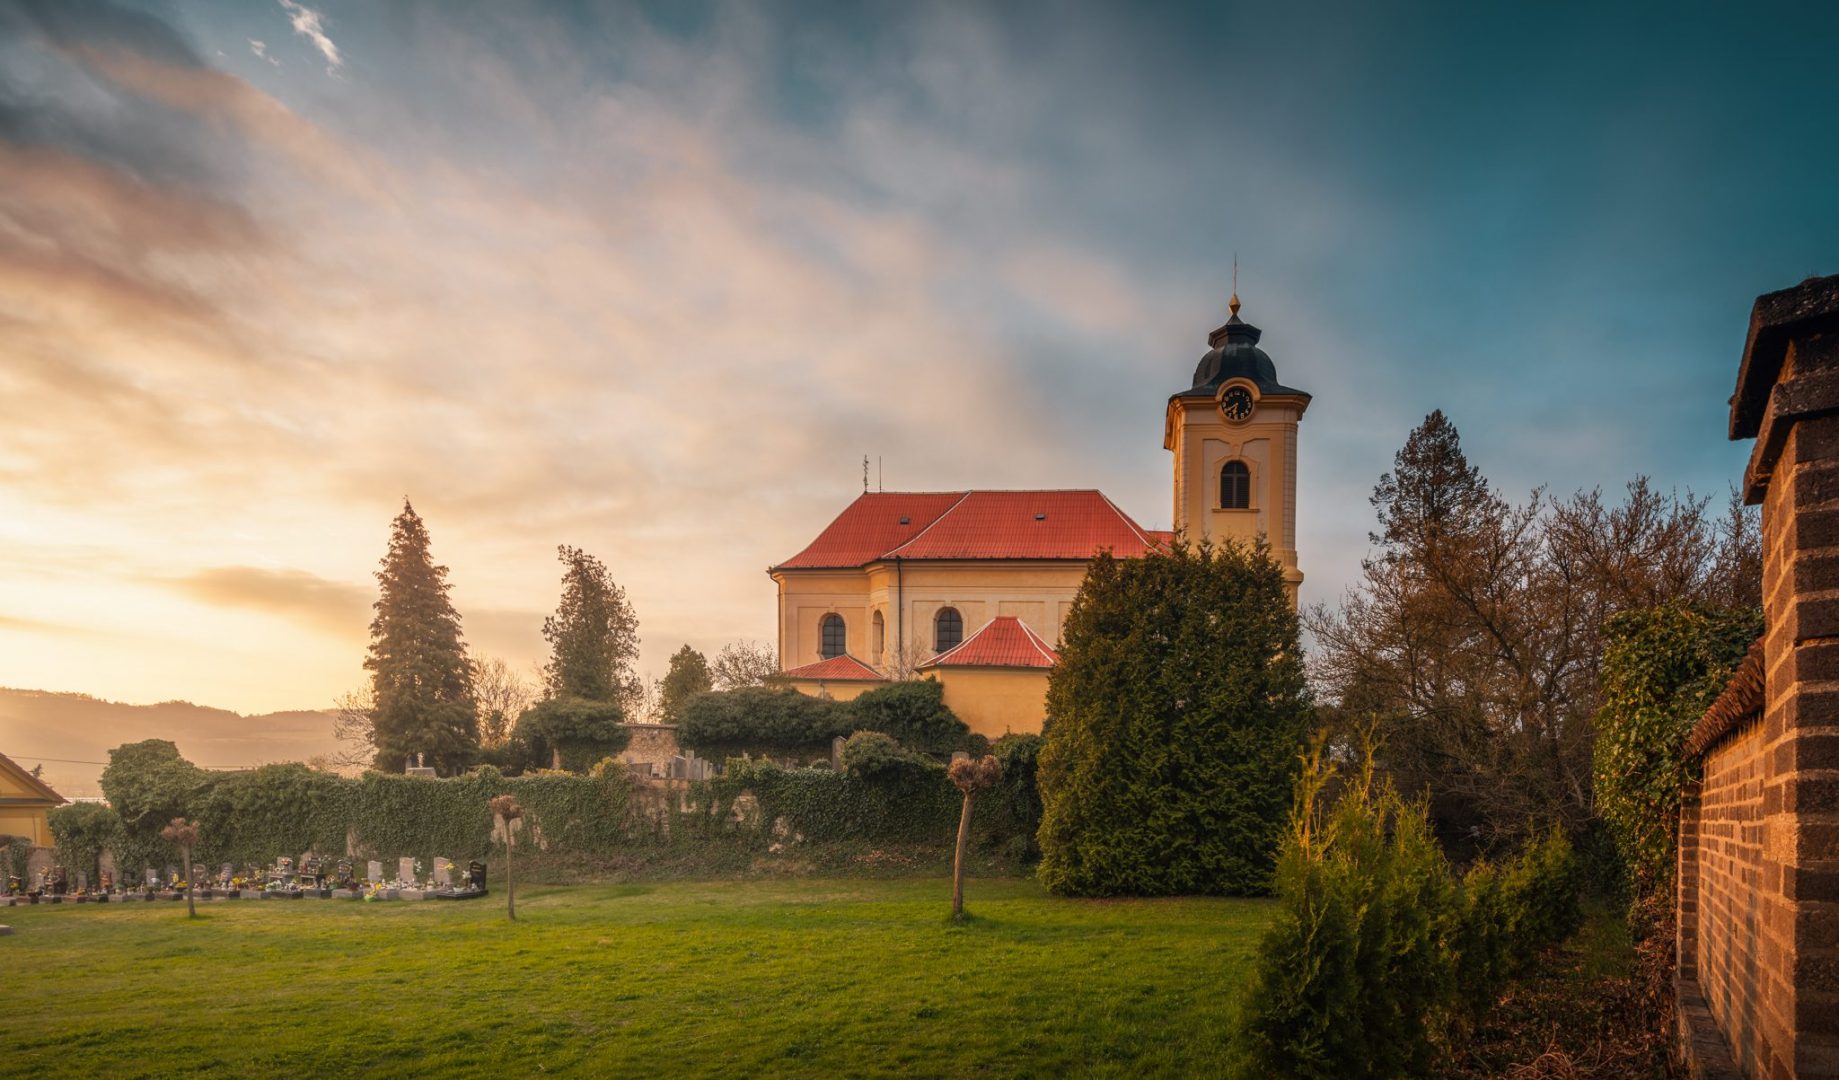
1377, 949
1174, 718
758, 719
873, 754
82, 831
914, 713
572, 733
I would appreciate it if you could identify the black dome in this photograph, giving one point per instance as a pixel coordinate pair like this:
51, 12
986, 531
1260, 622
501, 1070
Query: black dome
1234, 355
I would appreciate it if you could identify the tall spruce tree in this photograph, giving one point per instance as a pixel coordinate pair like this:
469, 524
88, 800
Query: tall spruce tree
1175, 718
593, 636
420, 672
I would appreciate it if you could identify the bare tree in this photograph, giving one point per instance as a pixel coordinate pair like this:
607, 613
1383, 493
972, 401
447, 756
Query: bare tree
745, 663
972, 777
502, 696
508, 811
904, 663
354, 726
185, 834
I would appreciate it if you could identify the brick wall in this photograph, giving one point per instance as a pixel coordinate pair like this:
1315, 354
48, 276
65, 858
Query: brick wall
1759, 854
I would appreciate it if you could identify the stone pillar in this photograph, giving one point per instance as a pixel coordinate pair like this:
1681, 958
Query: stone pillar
1788, 399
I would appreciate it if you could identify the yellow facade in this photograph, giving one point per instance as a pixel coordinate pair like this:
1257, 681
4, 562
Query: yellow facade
24, 803
835, 689
995, 701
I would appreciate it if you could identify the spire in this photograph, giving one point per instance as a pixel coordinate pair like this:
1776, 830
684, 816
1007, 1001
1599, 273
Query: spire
1233, 304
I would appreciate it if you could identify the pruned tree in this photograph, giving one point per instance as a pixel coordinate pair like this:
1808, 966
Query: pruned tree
185, 834
972, 778
502, 695
421, 678
507, 810
741, 664
688, 675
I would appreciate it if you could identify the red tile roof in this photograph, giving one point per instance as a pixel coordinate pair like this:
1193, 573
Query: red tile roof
870, 526
843, 668
1004, 641
976, 525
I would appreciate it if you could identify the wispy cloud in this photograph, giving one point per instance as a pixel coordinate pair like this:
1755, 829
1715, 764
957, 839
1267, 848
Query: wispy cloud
260, 48
310, 24
334, 606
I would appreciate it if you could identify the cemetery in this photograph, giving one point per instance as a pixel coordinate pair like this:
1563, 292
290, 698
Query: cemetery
280, 880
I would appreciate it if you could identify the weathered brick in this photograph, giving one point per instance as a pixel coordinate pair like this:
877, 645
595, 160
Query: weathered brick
1810, 795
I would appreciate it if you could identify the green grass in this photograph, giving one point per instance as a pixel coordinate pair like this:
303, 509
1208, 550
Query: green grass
813, 977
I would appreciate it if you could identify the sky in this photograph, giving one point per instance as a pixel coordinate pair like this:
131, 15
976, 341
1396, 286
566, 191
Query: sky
653, 279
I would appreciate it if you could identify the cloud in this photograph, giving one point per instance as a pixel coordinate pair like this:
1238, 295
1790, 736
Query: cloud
260, 48
332, 606
310, 24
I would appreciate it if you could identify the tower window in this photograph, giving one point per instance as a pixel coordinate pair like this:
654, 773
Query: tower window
947, 629
835, 638
1235, 486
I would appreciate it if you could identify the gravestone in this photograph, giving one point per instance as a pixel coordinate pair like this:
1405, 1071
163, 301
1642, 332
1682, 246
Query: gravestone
225, 873
38, 863
679, 767
443, 872
959, 755
419, 772
172, 876
373, 871
836, 754
153, 878
643, 770
82, 881
405, 870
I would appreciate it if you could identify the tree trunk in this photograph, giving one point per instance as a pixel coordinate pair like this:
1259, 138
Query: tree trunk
191, 910
510, 882
957, 862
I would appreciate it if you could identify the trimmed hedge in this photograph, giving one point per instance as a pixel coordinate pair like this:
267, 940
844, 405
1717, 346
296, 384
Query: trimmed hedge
781, 723
1378, 950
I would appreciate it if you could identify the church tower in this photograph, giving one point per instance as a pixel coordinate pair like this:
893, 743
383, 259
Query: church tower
1234, 437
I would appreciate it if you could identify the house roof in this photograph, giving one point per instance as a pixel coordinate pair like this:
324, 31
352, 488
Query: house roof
975, 525
1004, 641
31, 783
845, 668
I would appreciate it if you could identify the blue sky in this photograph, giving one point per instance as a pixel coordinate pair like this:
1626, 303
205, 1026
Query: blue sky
653, 279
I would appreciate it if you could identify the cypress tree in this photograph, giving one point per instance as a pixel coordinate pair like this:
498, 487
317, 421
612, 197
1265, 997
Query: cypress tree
1174, 721
418, 663
687, 677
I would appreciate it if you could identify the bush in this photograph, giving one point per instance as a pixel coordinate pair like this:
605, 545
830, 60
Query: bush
81, 832
1662, 668
1377, 949
757, 719
913, 713
874, 755
571, 733
1174, 718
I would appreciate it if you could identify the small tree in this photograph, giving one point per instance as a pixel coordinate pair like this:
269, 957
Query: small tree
502, 696
593, 636
745, 663
688, 676
185, 834
971, 777
507, 810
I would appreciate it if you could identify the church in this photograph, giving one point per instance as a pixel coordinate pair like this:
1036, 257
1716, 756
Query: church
972, 588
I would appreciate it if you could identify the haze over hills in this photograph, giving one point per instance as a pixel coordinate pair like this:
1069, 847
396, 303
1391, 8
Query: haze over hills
80, 730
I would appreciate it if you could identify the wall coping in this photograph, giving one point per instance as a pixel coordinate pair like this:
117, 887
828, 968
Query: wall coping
1776, 318
1701, 1045
1741, 701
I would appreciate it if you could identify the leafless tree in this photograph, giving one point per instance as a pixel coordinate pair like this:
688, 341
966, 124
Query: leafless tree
354, 726
745, 663
502, 696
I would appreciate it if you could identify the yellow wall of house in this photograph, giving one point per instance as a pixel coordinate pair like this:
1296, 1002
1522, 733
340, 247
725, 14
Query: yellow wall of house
29, 823
909, 598
996, 701
1204, 441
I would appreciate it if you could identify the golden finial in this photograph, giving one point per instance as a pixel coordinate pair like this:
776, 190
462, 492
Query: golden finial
1233, 304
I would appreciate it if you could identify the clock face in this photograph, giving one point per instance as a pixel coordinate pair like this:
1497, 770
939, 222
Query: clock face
1236, 403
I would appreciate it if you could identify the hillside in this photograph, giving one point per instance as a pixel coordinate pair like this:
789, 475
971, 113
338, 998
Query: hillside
36, 724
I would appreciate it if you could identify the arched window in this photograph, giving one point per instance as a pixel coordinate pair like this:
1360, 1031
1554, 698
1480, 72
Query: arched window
1235, 486
835, 638
947, 629
878, 635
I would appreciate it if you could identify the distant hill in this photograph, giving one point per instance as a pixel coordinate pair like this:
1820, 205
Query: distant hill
36, 724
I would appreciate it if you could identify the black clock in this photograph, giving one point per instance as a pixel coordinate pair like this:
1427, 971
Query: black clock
1236, 403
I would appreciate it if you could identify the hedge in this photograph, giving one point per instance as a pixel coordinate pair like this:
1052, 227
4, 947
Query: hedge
782, 723
250, 818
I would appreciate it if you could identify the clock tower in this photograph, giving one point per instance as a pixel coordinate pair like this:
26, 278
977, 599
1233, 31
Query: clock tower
1234, 437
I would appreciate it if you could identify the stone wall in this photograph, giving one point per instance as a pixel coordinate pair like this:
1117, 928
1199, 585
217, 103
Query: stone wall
652, 744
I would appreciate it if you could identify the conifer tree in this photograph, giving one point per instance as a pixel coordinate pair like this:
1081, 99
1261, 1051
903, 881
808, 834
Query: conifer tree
1174, 720
688, 676
420, 673
593, 636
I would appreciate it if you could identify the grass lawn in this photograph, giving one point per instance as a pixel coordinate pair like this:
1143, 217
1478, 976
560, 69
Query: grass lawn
720, 978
